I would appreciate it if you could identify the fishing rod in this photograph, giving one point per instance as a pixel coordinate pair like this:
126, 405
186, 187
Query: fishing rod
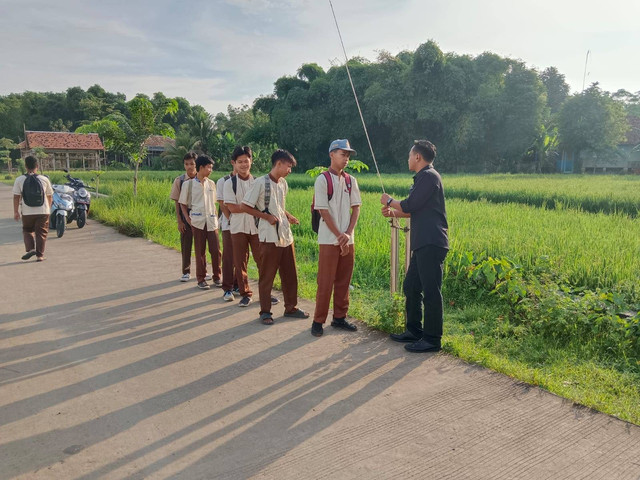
353, 88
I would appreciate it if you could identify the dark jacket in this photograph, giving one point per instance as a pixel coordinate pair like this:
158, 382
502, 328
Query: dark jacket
425, 203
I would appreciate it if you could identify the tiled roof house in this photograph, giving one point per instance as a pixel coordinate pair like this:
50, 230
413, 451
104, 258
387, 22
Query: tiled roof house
65, 149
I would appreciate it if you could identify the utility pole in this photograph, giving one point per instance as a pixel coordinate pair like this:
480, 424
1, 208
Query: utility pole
584, 78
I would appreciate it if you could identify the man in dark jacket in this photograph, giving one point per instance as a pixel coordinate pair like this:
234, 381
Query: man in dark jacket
429, 247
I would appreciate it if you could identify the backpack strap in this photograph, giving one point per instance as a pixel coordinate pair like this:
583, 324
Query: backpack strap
267, 192
327, 177
190, 190
234, 184
347, 180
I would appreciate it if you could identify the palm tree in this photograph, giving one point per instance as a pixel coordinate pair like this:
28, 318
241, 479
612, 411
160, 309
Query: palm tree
184, 142
200, 125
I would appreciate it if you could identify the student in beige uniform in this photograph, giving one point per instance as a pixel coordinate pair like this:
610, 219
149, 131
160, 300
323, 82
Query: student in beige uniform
277, 253
229, 283
35, 218
198, 204
186, 236
335, 238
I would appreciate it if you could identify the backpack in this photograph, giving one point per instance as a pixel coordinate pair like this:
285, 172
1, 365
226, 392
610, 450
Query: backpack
32, 191
315, 214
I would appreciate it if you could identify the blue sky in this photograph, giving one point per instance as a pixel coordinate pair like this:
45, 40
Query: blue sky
222, 52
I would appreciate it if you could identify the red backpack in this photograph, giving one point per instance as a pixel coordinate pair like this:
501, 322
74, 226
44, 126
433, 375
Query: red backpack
315, 214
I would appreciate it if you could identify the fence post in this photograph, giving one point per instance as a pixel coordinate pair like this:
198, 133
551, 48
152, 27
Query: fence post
395, 234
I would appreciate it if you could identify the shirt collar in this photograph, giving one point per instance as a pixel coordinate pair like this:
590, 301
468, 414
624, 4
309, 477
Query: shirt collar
423, 170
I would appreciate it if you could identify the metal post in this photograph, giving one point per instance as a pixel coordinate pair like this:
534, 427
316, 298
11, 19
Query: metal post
407, 245
395, 227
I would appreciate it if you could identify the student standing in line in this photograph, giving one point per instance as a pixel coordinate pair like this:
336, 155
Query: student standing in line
339, 205
35, 193
198, 204
186, 236
266, 201
244, 231
228, 271
429, 246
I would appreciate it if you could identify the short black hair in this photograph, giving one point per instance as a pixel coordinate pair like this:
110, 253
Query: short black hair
239, 151
426, 149
203, 160
190, 156
31, 162
283, 156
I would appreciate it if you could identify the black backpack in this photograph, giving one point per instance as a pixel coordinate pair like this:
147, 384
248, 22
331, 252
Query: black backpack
315, 214
32, 191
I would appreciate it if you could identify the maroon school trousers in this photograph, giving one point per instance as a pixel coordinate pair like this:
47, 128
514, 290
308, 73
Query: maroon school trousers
275, 259
186, 245
334, 276
241, 244
202, 238
228, 270
34, 232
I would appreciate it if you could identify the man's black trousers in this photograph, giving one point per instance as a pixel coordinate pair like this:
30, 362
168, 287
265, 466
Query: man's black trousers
423, 284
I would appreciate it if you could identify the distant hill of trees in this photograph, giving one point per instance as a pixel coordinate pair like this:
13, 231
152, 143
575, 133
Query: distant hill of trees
485, 114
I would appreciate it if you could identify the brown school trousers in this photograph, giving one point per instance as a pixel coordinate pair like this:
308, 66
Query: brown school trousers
241, 244
228, 270
283, 260
202, 238
334, 276
34, 232
186, 245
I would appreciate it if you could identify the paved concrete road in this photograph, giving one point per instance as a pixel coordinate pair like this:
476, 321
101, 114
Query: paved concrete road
113, 369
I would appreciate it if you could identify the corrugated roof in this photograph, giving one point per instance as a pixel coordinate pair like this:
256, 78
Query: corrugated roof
63, 141
158, 141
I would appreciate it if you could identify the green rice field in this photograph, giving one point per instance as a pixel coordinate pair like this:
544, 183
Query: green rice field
542, 281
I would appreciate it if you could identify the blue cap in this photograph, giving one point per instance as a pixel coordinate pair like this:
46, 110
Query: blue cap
341, 144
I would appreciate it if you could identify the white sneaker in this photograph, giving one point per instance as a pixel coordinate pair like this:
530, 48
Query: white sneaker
208, 277
228, 296
185, 278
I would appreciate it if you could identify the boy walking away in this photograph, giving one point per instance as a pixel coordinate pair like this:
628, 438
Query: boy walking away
186, 236
228, 271
35, 193
198, 204
244, 232
266, 201
337, 198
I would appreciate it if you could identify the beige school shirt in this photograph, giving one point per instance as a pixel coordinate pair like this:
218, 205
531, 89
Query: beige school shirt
281, 236
224, 221
203, 203
339, 206
43, 209
240, 222
176, 188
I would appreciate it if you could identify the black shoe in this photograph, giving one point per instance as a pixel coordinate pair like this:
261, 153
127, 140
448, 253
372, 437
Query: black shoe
422, 346
316, 329
404, 337
28, 255
343, 324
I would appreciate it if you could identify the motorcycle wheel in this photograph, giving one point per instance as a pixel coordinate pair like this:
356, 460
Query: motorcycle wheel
52, 220
60, 225
82, 218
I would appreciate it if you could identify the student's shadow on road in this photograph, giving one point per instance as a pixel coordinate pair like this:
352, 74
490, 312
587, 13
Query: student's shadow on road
282, 408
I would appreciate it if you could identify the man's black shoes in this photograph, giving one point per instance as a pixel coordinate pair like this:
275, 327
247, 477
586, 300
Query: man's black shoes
422, 346
316, 329
28, 255
404, 337
343, 324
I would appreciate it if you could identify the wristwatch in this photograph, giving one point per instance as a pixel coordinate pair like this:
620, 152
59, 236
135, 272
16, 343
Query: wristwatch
389, 201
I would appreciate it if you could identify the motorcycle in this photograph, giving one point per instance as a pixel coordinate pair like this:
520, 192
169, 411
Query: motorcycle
81, 199
61, 208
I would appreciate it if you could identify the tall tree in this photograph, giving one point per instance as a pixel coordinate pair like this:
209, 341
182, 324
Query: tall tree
591, 121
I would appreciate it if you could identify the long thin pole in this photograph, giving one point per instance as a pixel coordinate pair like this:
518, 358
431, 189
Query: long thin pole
364, 125
584, 77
